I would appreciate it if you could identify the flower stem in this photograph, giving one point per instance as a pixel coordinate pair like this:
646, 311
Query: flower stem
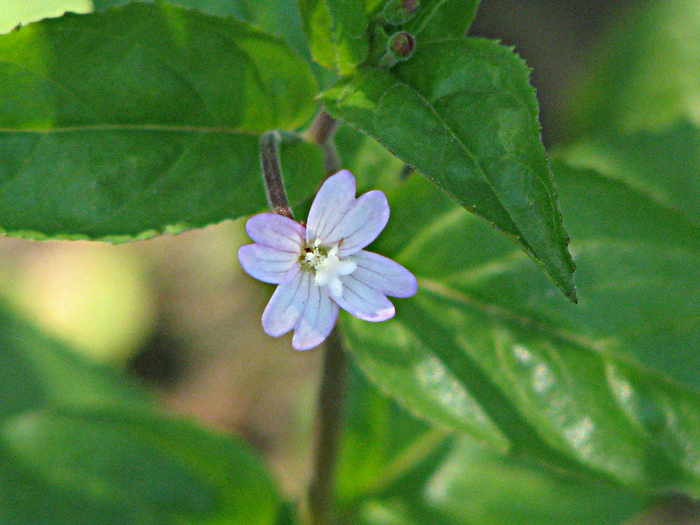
272, 174
331, 397
321, 132
330, 405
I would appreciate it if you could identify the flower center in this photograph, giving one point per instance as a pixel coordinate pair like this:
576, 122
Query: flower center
327, 266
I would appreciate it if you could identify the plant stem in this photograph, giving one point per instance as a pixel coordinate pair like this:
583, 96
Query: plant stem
321, 131
330, 418
331, 397
272, 174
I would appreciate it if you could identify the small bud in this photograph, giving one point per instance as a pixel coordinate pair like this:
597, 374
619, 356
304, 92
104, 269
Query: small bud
399, 48
401, 44
398, 12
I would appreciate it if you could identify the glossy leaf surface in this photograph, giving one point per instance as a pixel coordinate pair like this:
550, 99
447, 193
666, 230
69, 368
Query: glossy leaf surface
473, 130
154, 128
487, 347
394, 469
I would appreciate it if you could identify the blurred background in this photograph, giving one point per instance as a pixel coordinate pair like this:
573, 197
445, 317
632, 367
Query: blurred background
179, 313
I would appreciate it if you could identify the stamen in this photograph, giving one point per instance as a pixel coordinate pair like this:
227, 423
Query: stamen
327, 266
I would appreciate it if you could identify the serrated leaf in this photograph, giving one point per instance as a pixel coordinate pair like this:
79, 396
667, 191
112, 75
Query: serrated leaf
166, 468
609, 386
474, 485
143, 119
337, 32
471, 128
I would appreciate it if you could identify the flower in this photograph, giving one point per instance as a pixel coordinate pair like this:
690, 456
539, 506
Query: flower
322, 266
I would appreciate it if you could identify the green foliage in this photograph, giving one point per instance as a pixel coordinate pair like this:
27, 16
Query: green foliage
337, 32
644, 76
473, 130
486, 347
396, 470
36, 371
164, 470
278, 17
442, 19
89, 441
493, 398
110, 144
663, 164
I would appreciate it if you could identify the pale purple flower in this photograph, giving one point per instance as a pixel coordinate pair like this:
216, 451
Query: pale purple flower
322, 266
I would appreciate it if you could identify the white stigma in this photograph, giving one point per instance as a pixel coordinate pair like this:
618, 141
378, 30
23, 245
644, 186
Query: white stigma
328, 267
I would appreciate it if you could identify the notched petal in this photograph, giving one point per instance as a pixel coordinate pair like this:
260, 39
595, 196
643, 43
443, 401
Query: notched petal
276, 231
330, 204
266, 264
364, 302
362, 223
317, 320
287, 303
383, 274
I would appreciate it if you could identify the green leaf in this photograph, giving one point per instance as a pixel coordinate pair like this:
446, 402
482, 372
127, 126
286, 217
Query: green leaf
278, 17
395, 470
237, 8
368, 160
442, 19
609, 386
643, 75
663, 164
337, 31
143, 119
471, 128
380, 443
26, 499
316, 19
160, 467
35, 370
349, 33
472, 484
85, 439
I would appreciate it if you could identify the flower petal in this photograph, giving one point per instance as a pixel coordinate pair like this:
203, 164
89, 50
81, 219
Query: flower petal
317, 321
331, 202
360, 225
276, 231
383, 274
266, 264
287, 303
363, 301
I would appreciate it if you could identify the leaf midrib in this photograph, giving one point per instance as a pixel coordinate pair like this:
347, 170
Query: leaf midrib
463, 147
600, 347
